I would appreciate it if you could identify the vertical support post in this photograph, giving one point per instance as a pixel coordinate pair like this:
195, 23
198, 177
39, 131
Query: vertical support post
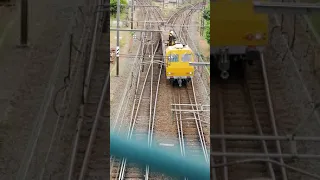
118, 38
24, 24
132, 6
202, 19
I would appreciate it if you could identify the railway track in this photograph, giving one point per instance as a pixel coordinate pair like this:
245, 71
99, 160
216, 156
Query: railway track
188, 121
142, 114
88, 159
243, 110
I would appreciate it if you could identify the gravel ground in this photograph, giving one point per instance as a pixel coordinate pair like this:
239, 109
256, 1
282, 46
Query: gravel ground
201, 83
118, 84
292, 96
24, 77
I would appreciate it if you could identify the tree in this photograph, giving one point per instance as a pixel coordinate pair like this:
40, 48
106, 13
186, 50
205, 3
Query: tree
206, 13
113, 6
206, 16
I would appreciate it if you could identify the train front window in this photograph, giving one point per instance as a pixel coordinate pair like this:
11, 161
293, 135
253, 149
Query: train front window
173, 58
186, 57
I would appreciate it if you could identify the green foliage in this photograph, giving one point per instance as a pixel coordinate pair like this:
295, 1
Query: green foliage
206, 16
113, 6
206, 13
207, 31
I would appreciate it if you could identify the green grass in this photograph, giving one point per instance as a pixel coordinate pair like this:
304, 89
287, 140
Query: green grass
122, 16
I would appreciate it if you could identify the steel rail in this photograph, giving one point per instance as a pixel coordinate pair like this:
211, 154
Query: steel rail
179, 121
199, 125
185, 24
124, 160
316, 176
93, 132
131, 128
222, 129
223, 137
270, 155
139, 101
155, 106
258, 124
94, 128
126, 91
91, 58
195, 49
181, 127
79, 123
141, 47
37, 127
150, 111
73, 73
158, 15
271, 113
264, 137
123, 164
190, 111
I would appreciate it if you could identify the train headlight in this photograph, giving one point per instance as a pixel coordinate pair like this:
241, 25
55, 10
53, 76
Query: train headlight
258, 36
190, 72
169, 73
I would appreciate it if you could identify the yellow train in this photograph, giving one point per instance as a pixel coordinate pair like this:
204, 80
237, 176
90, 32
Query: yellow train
177, 60
238, 34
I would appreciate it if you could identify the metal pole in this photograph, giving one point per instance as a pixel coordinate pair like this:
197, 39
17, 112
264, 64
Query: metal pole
118, 39
132, 6
24, 24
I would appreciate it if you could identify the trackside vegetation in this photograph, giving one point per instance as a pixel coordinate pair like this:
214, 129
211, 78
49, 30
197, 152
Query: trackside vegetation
206, 16
113, 6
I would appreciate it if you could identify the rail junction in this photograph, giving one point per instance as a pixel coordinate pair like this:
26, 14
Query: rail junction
138, 113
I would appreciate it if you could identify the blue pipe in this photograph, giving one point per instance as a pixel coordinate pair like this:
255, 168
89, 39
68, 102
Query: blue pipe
170, 163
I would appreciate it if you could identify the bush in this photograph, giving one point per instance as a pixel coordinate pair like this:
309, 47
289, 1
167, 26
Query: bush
207, 31
206, 16
206, 13
113, 6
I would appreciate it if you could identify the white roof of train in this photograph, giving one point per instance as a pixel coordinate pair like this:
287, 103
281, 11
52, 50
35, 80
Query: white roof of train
178, 46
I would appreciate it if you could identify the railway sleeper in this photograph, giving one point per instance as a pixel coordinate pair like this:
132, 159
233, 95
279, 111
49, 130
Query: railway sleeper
245, 122
245, 144
230, 117
87, 128
93, 175
190, 136
239, 121
235, 104
247, 130
95, 99
98, 164
91, 111
246, 148
250, 147
140, 131
257, 167
139, 174
241, 130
